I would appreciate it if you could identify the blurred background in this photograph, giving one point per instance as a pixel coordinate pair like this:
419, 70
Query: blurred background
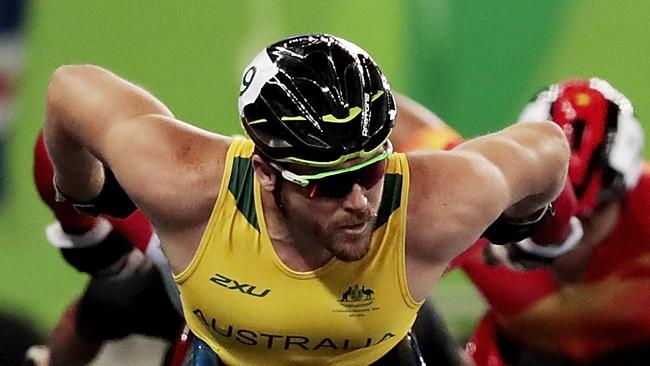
474, 63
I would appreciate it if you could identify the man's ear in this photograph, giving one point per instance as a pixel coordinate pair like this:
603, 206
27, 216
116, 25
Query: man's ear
265, 173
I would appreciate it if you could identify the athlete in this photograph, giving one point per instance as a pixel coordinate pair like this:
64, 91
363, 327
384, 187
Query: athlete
134, 299
590, 305
127, 293
294, 247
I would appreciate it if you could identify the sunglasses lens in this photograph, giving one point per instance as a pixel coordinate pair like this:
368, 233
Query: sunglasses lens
331, 187
371, 175
340, 185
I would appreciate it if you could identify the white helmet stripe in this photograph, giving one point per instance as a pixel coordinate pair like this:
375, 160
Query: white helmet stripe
626, 154
255, 75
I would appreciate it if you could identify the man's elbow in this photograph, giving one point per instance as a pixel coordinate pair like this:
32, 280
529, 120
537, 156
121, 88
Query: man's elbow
556, 153
59, 82
66, 81
555, 131
547, 140
70, 75
560, 149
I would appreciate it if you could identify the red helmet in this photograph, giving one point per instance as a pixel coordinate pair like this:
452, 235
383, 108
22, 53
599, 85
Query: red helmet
606, 139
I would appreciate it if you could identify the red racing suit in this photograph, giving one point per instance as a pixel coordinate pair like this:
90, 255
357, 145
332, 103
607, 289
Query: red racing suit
607, 312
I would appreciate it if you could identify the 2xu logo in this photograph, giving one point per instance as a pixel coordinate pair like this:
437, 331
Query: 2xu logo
232, 284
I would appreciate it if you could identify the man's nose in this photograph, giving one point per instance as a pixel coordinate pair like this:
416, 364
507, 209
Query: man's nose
356, 199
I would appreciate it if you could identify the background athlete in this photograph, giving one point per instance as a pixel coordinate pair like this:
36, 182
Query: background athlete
589, 305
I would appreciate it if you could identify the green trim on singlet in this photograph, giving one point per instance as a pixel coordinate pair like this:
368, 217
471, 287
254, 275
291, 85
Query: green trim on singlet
241, 187
390, 198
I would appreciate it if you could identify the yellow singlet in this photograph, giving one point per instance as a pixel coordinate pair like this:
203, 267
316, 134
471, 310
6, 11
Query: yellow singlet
251, 309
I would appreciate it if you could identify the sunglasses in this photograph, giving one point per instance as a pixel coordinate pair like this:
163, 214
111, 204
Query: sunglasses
339, 182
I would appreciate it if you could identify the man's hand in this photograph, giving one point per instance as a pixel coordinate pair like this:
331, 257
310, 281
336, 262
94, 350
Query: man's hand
560, 233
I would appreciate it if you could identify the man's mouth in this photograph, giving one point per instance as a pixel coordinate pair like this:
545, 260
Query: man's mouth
355, 229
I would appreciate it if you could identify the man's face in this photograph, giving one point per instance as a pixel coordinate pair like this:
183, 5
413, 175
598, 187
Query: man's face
337, 213
343, 226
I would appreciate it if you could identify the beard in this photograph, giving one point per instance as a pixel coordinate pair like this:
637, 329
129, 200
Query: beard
347, 238
347, 246
351, 250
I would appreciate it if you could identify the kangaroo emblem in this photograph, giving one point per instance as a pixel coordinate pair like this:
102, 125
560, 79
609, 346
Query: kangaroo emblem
346, 294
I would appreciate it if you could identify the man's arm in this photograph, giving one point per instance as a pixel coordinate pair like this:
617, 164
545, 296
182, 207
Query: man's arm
418, 128
456, 195
85, 104
94, 117
92, 244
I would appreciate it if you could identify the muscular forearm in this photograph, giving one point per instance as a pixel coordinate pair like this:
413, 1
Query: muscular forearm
78, 173
71, 221
533, 160
84, 105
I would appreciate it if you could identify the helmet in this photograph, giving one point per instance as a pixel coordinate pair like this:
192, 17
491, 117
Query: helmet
605, 137
316, 100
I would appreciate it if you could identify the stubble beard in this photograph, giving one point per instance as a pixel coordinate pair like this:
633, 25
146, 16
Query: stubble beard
351, 247
347, 250
332, 238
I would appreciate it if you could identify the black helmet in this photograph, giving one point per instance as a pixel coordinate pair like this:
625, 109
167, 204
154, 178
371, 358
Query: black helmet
315, 100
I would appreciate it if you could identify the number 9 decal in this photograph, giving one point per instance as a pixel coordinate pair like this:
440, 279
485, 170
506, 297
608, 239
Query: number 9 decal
257, 74
247, 79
